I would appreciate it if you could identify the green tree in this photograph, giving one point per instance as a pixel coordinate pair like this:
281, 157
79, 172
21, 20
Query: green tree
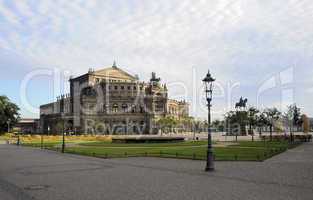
272, 115
216, 124
186, 123
292, 117
262, 121
237, 121
252, 119
167, 124
297, 119
230, 119
233, 123
9, 115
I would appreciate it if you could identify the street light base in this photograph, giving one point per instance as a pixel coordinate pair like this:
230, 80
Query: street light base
209, 169
63, 148
210, 162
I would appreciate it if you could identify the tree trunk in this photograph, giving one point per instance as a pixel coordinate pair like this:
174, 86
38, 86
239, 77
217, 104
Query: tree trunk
251, 132
271, 132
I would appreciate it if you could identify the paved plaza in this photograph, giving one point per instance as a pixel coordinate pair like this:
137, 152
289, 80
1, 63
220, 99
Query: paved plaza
28, 173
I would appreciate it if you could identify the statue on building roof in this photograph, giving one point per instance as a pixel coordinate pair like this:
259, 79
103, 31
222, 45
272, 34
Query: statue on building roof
153, 78
114, 64
165, 87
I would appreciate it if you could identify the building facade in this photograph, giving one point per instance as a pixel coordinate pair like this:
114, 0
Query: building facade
111, 101
27, 126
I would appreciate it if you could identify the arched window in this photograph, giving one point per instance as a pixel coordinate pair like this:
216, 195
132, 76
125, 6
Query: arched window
115, 107
141, 109
124, 107
133, 109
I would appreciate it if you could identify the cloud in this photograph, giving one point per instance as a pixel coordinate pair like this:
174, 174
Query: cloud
9, 16
238, 40
310, 90
71, 29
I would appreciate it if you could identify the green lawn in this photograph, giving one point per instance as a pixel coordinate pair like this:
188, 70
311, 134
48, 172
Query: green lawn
171, 144
246, 151
4, 136
45, 144
270, 144
242, 150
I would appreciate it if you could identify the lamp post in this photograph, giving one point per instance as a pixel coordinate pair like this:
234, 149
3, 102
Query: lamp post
41, 141
208, 81
63, 134
18, 139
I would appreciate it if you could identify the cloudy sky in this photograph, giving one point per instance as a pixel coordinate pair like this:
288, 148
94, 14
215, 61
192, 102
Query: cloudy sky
259, 49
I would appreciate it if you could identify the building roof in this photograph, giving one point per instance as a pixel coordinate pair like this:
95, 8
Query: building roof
114, 72
27, 120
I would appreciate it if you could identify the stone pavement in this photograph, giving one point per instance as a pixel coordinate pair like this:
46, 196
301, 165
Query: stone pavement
28, 173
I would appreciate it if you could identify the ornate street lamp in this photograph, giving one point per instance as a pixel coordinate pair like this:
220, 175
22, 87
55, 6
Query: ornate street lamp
63, 134
41, 140
208, 81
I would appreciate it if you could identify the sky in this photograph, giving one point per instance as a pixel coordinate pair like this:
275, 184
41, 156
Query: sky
259, 49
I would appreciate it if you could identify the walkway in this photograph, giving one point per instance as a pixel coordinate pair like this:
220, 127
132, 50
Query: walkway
28, 173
